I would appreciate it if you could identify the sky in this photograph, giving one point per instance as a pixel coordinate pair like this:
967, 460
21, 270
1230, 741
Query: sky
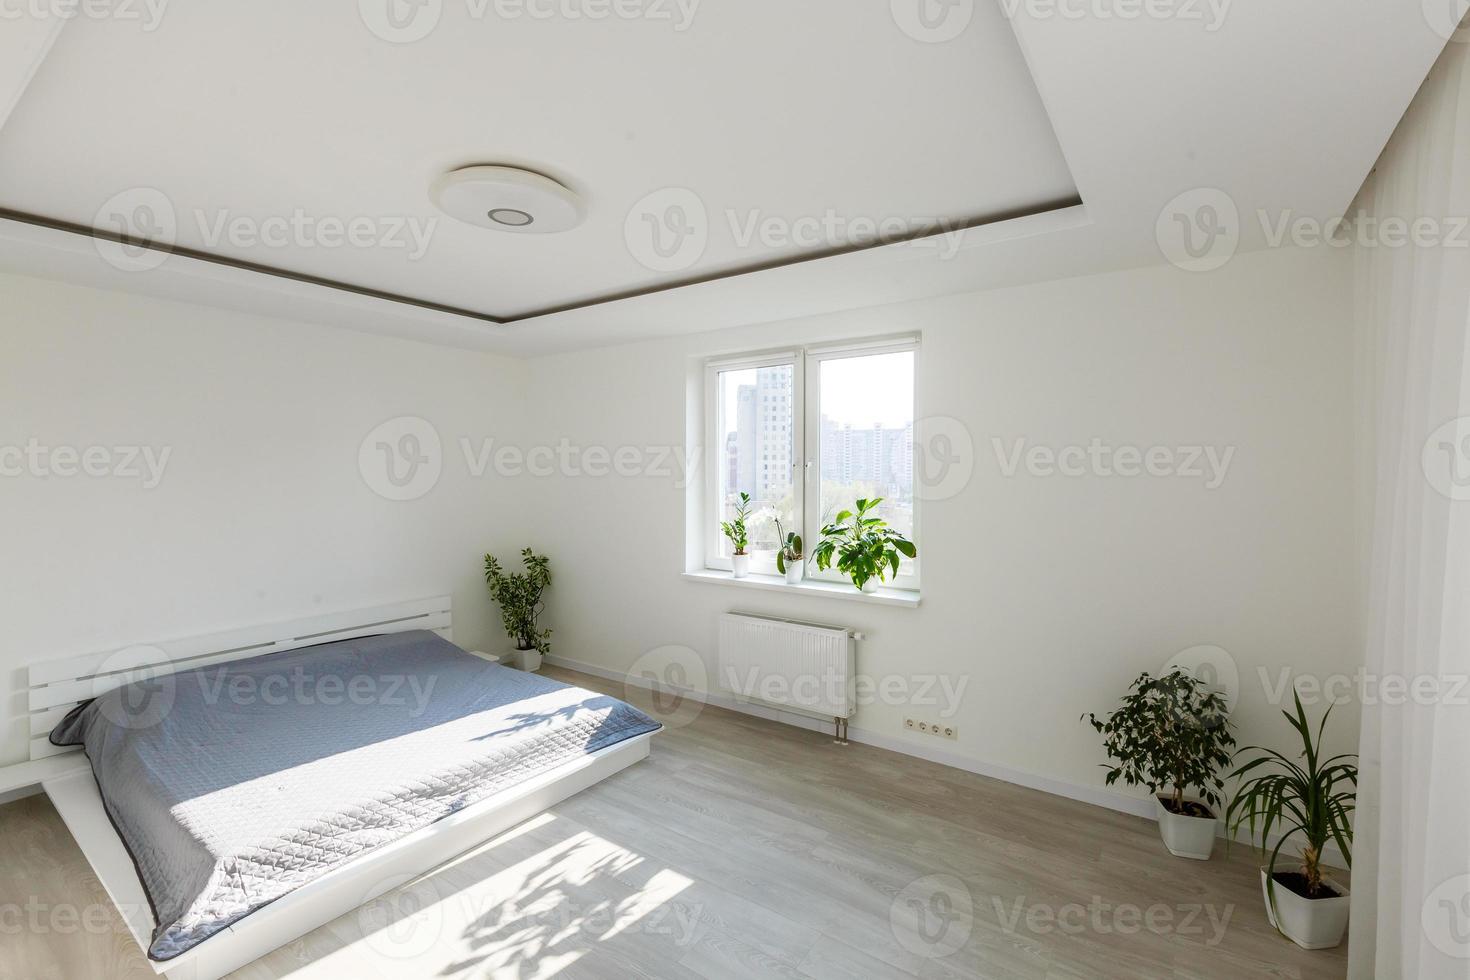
860, 391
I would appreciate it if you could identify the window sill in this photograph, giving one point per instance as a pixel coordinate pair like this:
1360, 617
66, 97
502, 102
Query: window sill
825, 590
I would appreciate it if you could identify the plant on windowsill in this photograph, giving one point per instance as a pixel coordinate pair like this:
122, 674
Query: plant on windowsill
863, 548
1172, 732
1312, 799
788, 554
739, 537
519, 596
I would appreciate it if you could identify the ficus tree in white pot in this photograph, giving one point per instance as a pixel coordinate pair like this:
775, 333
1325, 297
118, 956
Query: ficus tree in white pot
1310, 800
520, 597
1172, 733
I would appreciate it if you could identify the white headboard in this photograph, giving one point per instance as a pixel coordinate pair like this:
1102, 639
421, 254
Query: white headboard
56, 686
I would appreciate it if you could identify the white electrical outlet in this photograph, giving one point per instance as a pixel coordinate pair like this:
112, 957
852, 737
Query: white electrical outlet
931, 728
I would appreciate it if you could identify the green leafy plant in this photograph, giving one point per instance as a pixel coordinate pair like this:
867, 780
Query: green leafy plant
519, 595
862, 547
735, 530
1315, 799
1172, 733
788, 549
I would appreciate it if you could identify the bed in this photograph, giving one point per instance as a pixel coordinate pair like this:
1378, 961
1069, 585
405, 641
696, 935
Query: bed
241, 789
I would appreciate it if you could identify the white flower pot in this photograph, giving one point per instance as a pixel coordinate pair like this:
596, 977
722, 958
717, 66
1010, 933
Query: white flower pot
1186, 837
793, 572
870, 586
1311, 923
740, 565
528, 660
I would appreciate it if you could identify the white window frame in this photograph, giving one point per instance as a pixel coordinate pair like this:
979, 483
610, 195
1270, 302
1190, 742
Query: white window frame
760, 563
806, 449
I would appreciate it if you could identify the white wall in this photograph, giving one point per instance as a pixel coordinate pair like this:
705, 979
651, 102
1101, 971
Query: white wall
262, 512
1048, 593
1045, 595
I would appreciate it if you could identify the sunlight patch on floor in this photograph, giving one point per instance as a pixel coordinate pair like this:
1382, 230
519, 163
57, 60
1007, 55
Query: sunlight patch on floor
527, 905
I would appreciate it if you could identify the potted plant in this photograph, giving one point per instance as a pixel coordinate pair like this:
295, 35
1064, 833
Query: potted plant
520, 598
739, 537
1315, 799
788, 554
864, 548
1172, 732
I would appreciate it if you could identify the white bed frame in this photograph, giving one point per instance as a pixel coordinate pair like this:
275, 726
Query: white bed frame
65, 775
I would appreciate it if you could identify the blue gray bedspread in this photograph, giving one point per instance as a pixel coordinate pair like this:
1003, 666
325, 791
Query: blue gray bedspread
234, 785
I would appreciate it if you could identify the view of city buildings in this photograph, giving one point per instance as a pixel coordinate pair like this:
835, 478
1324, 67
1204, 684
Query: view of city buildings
856, 461
758, 450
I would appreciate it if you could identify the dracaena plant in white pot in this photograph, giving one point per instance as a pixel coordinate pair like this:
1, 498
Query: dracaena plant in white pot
1314, 798
520, 597
1172, 733
789, 559
739, 537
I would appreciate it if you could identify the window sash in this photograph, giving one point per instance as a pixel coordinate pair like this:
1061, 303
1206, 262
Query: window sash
908, 578
761, 563
806, 450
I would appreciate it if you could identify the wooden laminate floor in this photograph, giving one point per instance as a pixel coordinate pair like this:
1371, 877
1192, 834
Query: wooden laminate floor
741, 848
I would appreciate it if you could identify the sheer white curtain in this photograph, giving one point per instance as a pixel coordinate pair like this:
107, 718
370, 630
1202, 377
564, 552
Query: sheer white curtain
1411, 873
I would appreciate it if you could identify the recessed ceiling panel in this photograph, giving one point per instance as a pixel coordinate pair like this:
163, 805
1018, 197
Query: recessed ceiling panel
703, 138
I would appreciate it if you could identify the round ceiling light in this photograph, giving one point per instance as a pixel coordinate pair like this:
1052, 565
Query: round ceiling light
507, 199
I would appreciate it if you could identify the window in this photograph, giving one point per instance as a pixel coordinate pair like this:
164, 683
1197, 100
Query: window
806, 433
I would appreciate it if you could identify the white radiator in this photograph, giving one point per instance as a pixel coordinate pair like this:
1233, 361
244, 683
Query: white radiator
797, 667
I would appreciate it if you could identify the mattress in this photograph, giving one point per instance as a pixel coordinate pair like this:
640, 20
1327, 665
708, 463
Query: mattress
236, 784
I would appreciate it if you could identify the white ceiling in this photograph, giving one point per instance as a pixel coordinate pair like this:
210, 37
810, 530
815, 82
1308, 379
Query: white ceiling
778, 110
764, 109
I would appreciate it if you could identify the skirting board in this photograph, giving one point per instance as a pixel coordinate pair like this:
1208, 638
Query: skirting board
1019, 777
